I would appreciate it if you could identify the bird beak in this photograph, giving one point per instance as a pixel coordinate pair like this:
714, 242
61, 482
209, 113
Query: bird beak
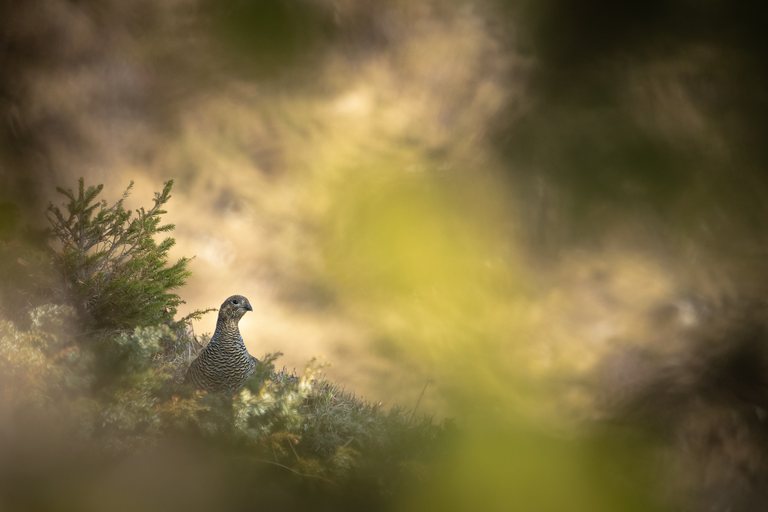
248, 307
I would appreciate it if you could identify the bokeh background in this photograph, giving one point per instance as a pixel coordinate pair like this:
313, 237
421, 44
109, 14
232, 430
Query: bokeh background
527, 216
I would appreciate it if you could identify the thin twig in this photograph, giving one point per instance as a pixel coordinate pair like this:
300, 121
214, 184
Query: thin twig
295, 472
418, 402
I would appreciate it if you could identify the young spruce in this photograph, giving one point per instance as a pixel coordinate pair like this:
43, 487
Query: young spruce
117, 272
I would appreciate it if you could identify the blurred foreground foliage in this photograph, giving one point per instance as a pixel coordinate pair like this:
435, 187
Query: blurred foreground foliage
90, 393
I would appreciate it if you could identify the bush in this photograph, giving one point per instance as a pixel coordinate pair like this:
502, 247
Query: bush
116, 271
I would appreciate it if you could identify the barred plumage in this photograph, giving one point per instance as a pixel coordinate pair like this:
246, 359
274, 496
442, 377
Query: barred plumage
224, 364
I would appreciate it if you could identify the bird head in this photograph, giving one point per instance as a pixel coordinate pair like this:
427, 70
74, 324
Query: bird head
234, 308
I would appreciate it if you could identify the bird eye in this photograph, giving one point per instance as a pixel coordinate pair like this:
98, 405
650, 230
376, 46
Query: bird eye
234, 301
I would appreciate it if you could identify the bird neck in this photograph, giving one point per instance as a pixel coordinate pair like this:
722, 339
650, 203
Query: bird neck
227, 331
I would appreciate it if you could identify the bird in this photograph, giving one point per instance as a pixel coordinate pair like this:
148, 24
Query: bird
224, 365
